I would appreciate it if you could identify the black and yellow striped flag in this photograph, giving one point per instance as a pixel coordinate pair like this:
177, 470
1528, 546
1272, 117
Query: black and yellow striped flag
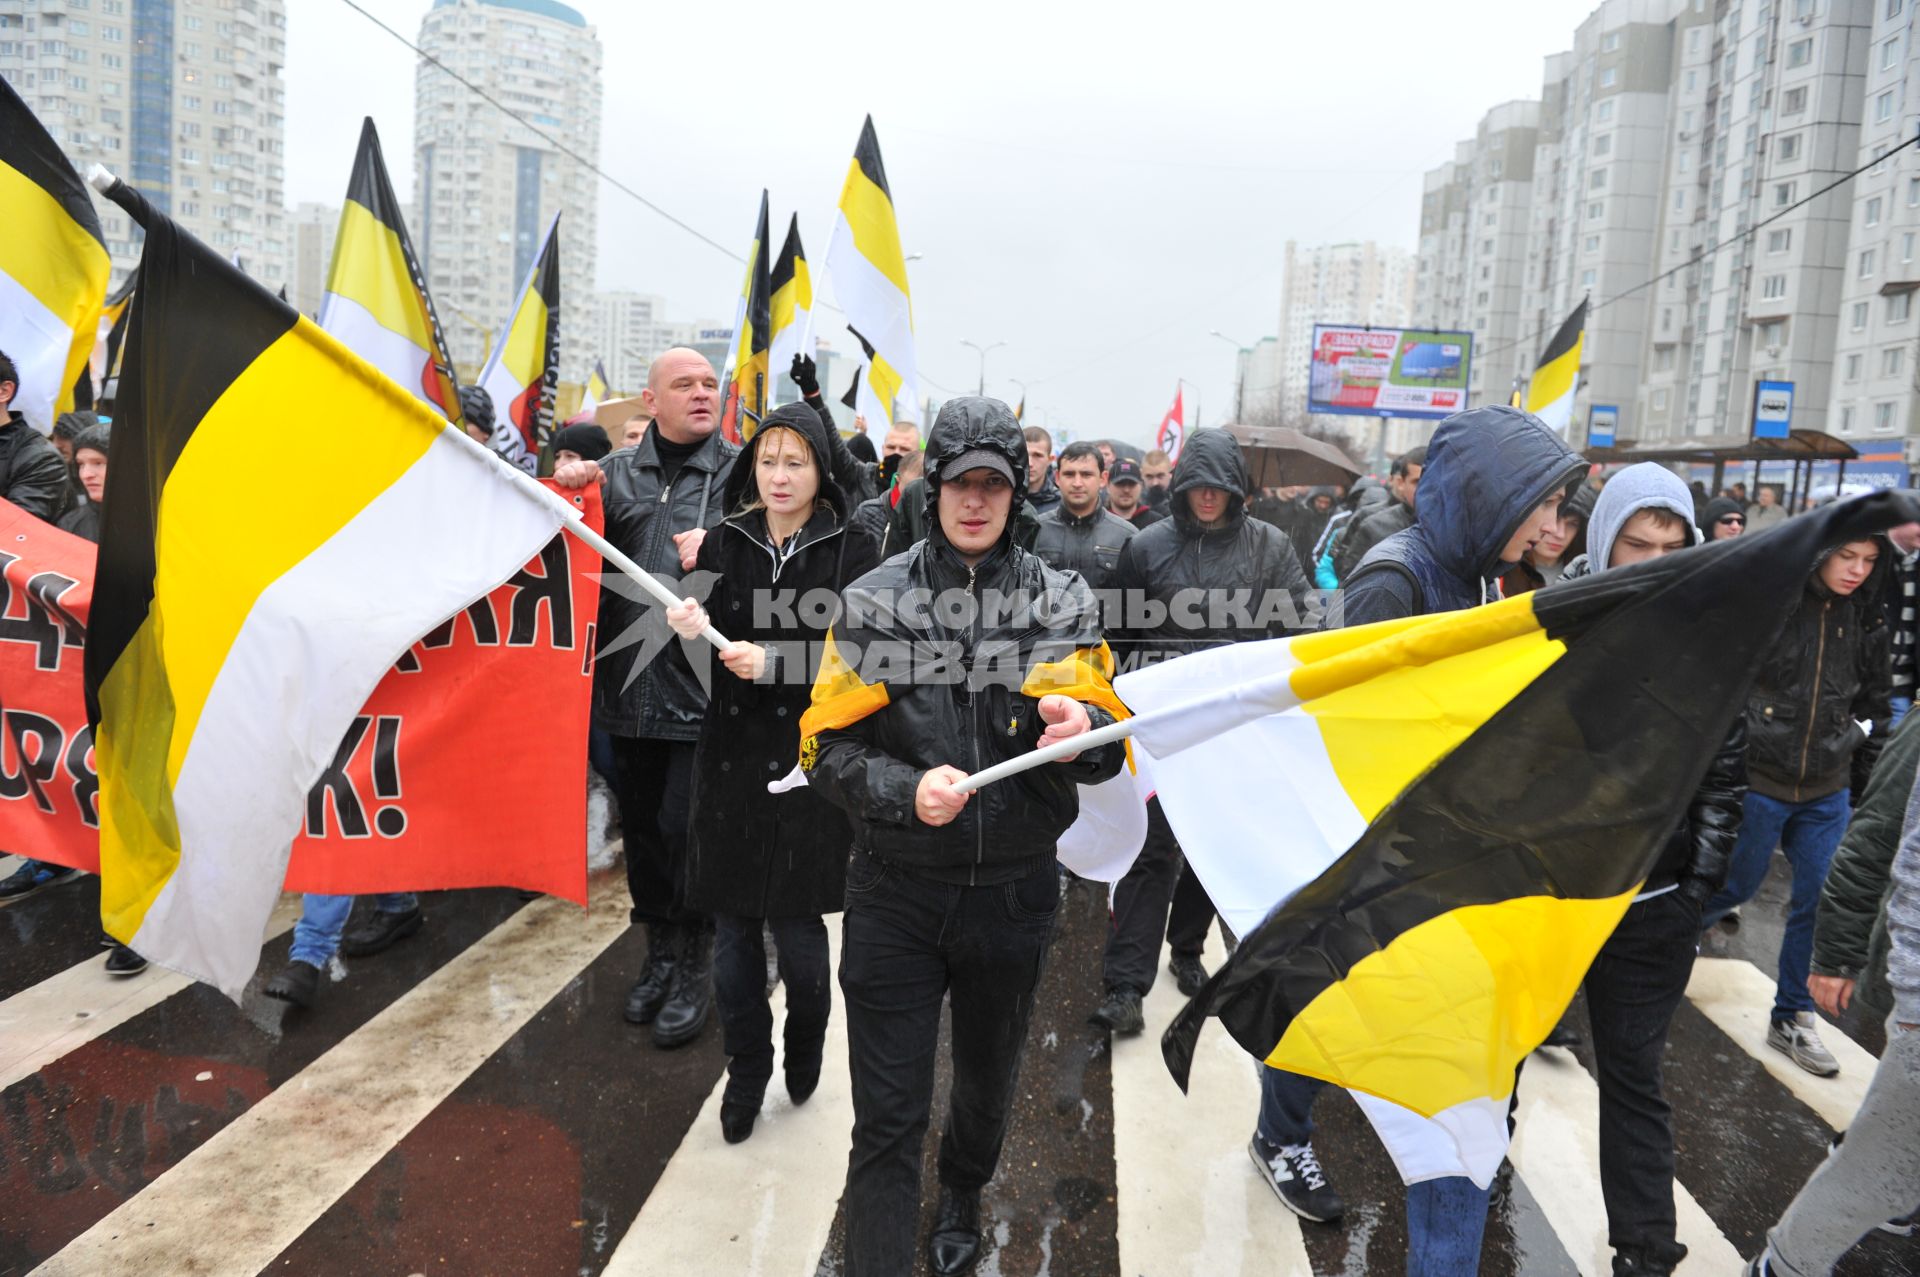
1557, 378
870, 283
792, 307
748, 386
53, 266
229, 650
376, 300
1507, 777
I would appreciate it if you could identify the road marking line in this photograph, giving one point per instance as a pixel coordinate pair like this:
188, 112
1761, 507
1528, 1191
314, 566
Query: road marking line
1190, 1200
1738, 997
766, 1206
1556, 1150
66, 1011
295, 1153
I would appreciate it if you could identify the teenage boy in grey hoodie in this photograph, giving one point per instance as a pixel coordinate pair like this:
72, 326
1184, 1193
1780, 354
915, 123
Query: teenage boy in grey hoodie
1640, 975
1873, 1175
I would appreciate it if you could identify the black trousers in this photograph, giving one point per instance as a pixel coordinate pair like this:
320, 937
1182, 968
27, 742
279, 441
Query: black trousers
1632, 989
1158, 896
740, 992
908, 945
654, 782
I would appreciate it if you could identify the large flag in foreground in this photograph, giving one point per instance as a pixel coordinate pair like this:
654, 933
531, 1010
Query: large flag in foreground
748, 385
523, 372
53, 266
230, 648
1452, 813
870, 282
376, 301
1557, 377
792, 308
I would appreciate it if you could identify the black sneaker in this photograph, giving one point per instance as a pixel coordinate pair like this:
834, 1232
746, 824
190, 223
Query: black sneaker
297, 983
1188, 973
1120, 1013
124, 961
33, 876
1294, 1175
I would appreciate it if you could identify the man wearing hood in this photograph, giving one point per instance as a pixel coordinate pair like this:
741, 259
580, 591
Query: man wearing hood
32, 475
1640, 976
1491, 487
1248, 584
957, 654
1828, 672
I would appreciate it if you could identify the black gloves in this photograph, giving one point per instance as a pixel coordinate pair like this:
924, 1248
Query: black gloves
805, 377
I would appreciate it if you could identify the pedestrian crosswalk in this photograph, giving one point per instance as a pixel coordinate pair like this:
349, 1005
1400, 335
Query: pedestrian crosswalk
471, 1102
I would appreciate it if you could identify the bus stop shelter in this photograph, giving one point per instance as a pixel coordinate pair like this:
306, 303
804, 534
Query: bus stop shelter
1801, 449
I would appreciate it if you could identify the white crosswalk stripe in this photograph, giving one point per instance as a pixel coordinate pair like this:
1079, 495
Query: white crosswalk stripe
297, 1151
1191, 1201
64, 1012
1556, 1151
1738, 997
789, 1175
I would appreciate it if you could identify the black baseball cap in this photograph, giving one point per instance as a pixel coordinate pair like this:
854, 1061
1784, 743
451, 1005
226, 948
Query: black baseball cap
1125, 470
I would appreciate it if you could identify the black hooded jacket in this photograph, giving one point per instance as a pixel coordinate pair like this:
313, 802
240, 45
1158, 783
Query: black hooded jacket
1183, 587
1487, 470
1829, 669
953, 676
83, 518
752, 853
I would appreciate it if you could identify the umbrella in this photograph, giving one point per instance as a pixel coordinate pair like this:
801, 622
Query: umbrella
1281, 457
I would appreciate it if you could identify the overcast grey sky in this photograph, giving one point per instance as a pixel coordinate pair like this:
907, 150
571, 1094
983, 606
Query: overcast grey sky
1096, 186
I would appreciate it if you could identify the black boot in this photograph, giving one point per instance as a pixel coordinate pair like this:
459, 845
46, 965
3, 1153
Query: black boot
297, 984
740, 1102
1648, 1261
649, 992
954, 1245
1120, 1013
691, 996
378, 933
803, 1074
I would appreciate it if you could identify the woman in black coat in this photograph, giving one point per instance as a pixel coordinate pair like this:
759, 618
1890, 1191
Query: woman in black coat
756, 858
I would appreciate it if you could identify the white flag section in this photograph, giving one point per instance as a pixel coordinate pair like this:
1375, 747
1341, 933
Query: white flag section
1244, 777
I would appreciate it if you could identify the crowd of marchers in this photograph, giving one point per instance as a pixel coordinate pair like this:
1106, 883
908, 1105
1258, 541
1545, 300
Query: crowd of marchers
948, 897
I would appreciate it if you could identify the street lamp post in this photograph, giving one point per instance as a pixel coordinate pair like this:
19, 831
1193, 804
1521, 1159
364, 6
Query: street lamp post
1239, 375
983, 359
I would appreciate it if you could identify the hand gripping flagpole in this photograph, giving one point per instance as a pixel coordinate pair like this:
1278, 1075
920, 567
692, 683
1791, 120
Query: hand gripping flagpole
1049, 753
103, 180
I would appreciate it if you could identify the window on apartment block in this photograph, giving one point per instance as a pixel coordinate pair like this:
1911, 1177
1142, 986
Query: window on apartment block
1800, 52
1859, 318
1864, 269
1779, 241
1788, 147
1899, 308
1852, 368
1883, 417
1883, 107
1609, 77
1846, 420
1893, 361
1890, 54
1773, 333
1783, 193
1773, 287
1870, 212
1793, 101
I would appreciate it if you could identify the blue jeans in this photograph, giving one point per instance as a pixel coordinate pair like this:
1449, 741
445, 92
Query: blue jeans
1808, 833
316, 937
1445, 1217
1901, 704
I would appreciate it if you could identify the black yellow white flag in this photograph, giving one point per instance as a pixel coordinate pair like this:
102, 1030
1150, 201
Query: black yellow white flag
523, 372
376, 301
869, 275
53, 266
1557, 378
792, 307
226, 657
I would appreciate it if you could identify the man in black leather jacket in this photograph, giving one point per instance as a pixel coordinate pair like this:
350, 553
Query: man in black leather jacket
32, 475
1640, 975
1207, 576
960, 653
1077, 534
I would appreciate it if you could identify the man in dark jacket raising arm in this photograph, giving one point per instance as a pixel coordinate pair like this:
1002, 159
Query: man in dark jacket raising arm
958, 654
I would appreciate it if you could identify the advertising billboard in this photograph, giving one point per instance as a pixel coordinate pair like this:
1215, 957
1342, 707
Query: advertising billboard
1388, 372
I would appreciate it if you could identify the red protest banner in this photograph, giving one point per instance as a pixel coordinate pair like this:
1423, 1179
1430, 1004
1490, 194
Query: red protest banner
465, 768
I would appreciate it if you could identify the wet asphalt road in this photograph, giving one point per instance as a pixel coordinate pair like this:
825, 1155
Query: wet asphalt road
539, 1160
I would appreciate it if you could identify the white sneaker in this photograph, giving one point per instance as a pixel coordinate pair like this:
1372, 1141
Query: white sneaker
1799, 1040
